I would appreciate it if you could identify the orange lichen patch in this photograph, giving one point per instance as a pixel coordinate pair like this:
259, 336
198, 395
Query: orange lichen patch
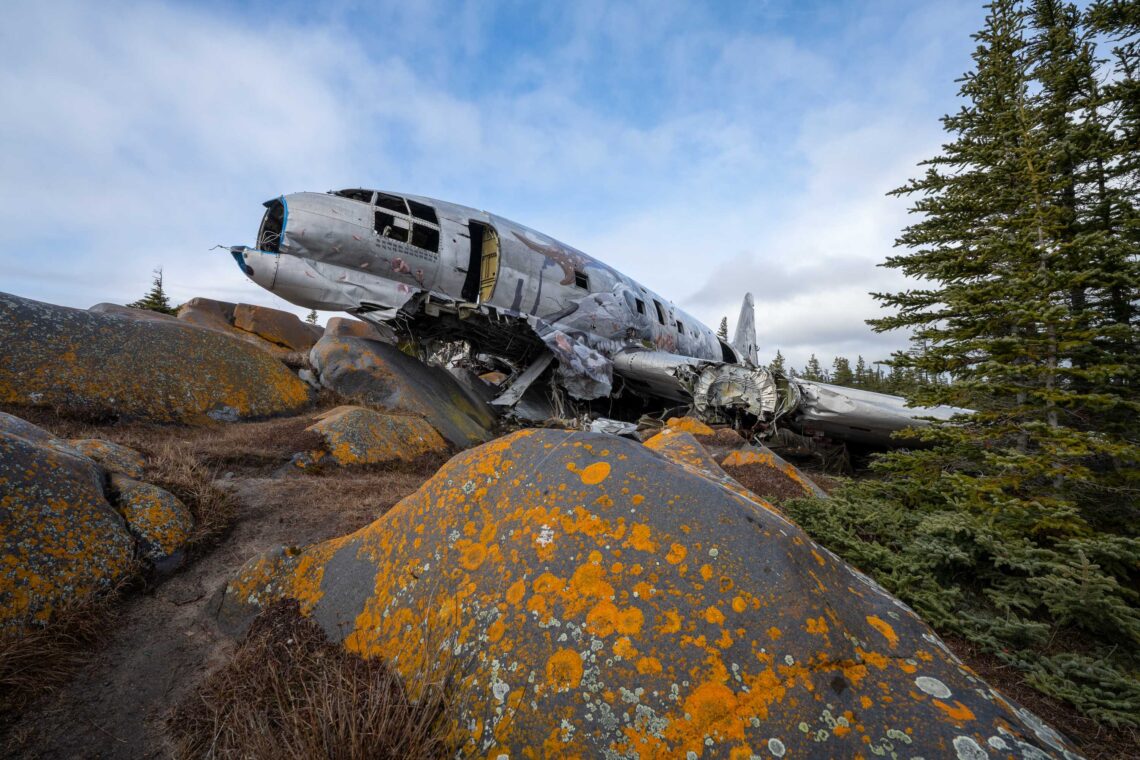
690, 425
774, 633
516, 591
639, 538
156, 517
713, 616
816, 625
648, 665
706, 572
564, 670
594, 473
623, 648
676, 553
672, 622
885, 628
471, 554
957, 712
865, 702
495, 631
637, 499
738, 604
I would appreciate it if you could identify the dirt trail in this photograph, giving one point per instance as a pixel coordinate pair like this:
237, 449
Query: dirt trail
164, 640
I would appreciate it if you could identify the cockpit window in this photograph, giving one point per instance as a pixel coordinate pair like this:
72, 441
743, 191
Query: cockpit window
392, 227
269, 236
364, 196
391, 202
423, 211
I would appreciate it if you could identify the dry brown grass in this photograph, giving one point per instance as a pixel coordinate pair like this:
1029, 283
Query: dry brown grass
175, 466
290, 693
37, 657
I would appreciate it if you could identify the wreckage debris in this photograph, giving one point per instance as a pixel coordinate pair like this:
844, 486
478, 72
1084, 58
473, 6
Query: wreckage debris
104, 365
606, 601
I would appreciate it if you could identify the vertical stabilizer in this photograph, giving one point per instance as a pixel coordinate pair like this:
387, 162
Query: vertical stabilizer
744, 340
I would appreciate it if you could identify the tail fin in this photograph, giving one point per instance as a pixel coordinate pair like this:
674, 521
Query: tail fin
744, 341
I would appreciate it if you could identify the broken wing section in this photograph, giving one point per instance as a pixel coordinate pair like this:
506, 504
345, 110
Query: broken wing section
862, 417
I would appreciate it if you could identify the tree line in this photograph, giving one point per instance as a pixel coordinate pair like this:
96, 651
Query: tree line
1018, 526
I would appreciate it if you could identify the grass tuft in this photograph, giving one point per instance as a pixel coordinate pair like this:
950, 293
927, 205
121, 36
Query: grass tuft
288, 692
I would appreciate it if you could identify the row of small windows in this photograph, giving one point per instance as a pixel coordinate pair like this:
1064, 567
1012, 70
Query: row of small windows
640, 306
399, 218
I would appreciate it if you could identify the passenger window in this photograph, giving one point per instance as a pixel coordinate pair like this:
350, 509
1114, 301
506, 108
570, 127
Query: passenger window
423, 211
680, 327
391, 202
581, 280
660, 311
391, 227
640, 305
425, 237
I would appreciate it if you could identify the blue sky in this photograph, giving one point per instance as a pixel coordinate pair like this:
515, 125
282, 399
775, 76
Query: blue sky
702, 149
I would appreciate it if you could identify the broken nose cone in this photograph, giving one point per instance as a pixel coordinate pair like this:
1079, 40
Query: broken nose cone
238, 252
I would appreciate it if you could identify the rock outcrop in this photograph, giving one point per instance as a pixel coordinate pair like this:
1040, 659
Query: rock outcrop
604, 601
111, 456
379, 373
763, 467
60, 538
279, 327
355, 435
156, 518
105, 365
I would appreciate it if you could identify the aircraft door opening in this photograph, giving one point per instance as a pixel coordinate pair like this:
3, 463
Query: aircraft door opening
483, 265
489, 266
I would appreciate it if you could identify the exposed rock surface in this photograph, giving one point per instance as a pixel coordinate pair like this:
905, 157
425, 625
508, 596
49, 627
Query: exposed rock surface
100, 364
761, 460
343, 327
276, 326
59, 537
111, 456
356, 435
605, 601
156, 518
130, 312
206, 312
379, 373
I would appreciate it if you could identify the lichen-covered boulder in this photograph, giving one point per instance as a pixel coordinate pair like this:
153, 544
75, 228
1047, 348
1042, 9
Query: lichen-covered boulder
280, 327
379, 373
156, 518
690, 425
343, 327
113, 457
59, 537
81, 361
130, 312
206, 312
356, 435
605, 602
762, 468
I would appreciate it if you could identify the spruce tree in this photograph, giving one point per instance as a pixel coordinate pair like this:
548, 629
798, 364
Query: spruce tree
1018, 528
156, 299
777, 364
722, 331
860, 374
841, 373
813, 370
312, 317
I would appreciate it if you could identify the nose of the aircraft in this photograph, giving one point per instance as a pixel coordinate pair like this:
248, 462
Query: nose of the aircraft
257, 265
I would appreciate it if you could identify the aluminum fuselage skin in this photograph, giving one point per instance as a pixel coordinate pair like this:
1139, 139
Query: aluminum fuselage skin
330, 257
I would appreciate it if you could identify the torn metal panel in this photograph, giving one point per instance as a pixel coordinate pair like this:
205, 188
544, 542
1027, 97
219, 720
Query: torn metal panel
514, 393
613, 427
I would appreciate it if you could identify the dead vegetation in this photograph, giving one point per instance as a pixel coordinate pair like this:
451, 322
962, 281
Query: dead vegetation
37, 657
289, 692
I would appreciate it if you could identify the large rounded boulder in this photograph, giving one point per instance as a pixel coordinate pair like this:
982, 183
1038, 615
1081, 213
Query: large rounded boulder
60, 539
602, 601
161, 370
379, 373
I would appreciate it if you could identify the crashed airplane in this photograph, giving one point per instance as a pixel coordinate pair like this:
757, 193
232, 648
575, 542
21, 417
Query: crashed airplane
435, 273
